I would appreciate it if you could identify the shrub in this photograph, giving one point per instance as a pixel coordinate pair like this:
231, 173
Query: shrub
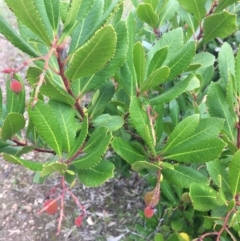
147, 84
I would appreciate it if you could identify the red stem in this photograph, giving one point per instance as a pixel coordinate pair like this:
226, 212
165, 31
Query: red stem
66, 82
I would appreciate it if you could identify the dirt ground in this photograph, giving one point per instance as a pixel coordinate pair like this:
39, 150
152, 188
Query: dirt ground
112, 209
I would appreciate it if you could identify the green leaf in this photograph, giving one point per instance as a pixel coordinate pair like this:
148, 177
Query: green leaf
89, 15
15, 102
80, 139
72, 12
139, 118
139, 62
31, 165
173, 40
140, 165
47, 125
13, 37
218, 174
127, 151
234, 174
95, 18
226, 63
205, 59
167, 11
173, 92
94, 149
89, 83
182, 131
194, 141
50, 168
237, 74
218, 107
184, 176
146, 13
167, 191
97, 175
204, 198
94, 55
196, 7
106, 92
13, 123
113, 123
66, 118
53, 87
174, 112
224, 24
181, 60
222, 4
33, 14
157, 60
53, 12
156, 78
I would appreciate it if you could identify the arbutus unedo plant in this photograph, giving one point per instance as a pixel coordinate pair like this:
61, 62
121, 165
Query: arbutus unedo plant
147, 83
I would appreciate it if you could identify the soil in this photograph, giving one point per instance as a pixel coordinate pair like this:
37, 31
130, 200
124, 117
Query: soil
112, 209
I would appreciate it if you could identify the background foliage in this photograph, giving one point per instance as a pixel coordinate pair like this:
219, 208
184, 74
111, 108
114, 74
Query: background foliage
158, 90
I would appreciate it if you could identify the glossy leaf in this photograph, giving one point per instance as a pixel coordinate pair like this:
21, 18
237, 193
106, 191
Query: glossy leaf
139, 62
218, 173
157, 60
106, 92
127, 151
167, 11
181, 60
173, 40
222, 4
226, 63
192, 141
173, 92
47, 125
139, 118
95, 81
158, 77
113, 123
53, 12
182, 131
93, 56
218, 106
66, 118
195, 7
96, 175
72, 12
13, 123
80, 138
33, 14
31, 165
94, 149
146, 13
168, 192
204, 198
224, 24
12, 36
234, 174
140, 165
184, 176
50, 168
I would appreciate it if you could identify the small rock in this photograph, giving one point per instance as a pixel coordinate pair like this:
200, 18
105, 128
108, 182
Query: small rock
14, 207
27, 208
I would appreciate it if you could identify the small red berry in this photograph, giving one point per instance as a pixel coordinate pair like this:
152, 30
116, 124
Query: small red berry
16, 86
148, 212
52, 208
78, 221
